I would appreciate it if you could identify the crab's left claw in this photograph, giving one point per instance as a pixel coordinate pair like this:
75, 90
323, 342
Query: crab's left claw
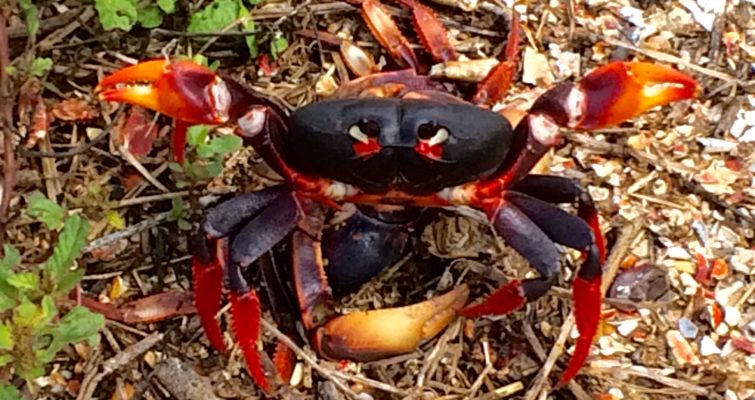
183, 90
372, 335
615, 93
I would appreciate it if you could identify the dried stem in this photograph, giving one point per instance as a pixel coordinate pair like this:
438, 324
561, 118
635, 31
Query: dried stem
6, 121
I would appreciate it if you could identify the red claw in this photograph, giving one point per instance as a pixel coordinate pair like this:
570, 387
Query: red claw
181, 89
622, 90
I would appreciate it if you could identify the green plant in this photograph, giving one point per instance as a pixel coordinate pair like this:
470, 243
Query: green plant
221, 14
124, 14
32, 330
205, 155
204, 161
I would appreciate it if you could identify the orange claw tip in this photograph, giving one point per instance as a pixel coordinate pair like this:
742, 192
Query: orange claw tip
372, 335
146, 71
622, 90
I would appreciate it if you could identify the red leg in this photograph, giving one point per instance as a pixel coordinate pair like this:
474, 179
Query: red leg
499, 80
245, 313
208, 273
432, 33
178, 140
387, 33
530, 225
586, 287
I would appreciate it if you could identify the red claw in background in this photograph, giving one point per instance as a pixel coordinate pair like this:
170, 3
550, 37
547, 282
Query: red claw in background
622, 90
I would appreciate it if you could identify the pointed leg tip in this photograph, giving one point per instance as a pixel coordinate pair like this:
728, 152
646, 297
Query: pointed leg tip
503, 301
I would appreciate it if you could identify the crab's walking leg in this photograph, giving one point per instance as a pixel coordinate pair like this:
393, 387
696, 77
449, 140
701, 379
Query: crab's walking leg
387, 33
208, 272
496, 85
255, 222
432, 33
531, 226
586, 288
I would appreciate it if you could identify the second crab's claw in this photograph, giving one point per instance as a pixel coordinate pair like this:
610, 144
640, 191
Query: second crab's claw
614, 93
183, 90
372, 335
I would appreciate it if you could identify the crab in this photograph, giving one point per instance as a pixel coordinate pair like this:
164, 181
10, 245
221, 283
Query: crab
392, 143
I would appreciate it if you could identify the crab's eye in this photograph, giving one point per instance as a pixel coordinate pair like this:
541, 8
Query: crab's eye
432, 134
364, 130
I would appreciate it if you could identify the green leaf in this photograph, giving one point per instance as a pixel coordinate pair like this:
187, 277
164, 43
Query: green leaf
5, 359
6, 302
175, 167
69, 280
78, 325
150, 17
8, 293
40, 66
31, 18
117, 14
177, 209
9, 392
115, 220
71, 240
205, 151
214, 169
200, 59
49, 311
11, 260
216, 16
46, 210
184, 225
168, 6
6, 340
32, 372
225, 144
278, 46
24, 281
251, 40
27, 314
197, 134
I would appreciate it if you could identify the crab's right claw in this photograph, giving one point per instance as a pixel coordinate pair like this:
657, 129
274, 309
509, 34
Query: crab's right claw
372, 335
182, 90
614, 93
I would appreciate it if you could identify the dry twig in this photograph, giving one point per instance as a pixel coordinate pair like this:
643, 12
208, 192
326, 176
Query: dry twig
90, 382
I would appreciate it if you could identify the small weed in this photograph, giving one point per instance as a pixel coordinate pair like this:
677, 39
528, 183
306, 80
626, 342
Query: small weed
32, 328
124, 14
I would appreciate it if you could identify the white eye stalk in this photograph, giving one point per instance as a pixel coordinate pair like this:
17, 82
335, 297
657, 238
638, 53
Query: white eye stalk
356, 132
441, 135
